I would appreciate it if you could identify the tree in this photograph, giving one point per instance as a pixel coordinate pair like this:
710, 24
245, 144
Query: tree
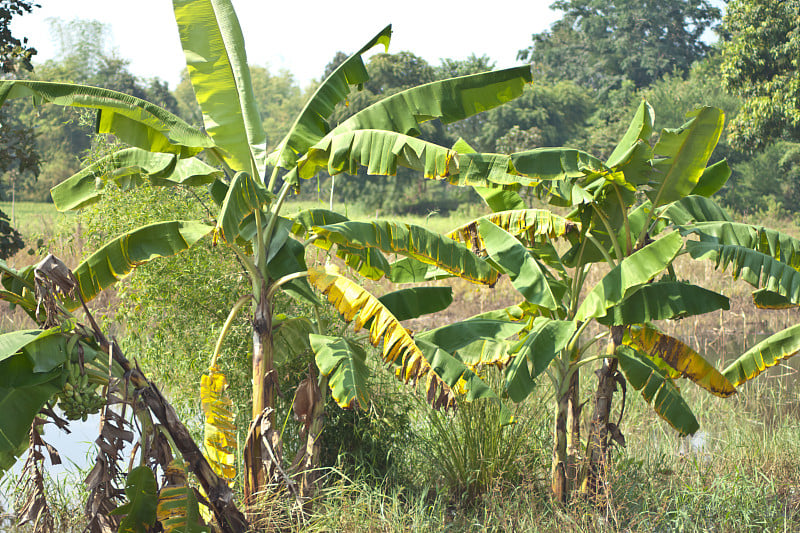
600, 44
760, 50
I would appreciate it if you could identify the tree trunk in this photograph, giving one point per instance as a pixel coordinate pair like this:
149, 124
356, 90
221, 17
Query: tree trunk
597, 445
262, 469
559, 486
574, 436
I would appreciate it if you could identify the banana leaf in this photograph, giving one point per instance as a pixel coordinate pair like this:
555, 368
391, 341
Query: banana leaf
663, 300
763, 355
345, 364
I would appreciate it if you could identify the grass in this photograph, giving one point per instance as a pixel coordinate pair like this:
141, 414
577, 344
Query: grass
745, 476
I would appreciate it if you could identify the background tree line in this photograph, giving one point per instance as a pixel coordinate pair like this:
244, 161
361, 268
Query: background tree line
592, 66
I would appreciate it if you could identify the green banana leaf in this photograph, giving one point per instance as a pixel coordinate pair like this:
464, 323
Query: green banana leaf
128, 168
694, 209
714, 177
406, 304
133, 120
116, 259
311, 124
215, 56
448, 100
345, 364
408, 270
139, 512
513, 259
290, 259
763, 355
657, 389
454, 337
764, 299
533, 355
777, 245
244, 197
413, 241
663, 300
758, 269
633, 271
639, 130
686, 151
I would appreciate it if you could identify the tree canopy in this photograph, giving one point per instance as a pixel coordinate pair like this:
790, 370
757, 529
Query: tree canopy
601, 43
761, 63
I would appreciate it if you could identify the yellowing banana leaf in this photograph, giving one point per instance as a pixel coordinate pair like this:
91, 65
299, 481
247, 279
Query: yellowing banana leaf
311, 124
531, 226
178, 510
777, 245
116, 259
544, 341
763, 355
756, 268
219, 434
215, 56
513, 259
129, 168
344, 362
133, 120
412, 241
399, 348
244, 196
664, 300
447, 100
657, 390
682, 358
629, 274
139, 512
686, 151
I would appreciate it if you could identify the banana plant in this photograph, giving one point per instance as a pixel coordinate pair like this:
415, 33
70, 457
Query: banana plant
623, 222
250, 187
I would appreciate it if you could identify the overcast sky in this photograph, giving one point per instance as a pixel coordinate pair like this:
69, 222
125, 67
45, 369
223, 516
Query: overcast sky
302, 36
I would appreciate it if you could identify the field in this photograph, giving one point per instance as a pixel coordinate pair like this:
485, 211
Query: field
741, 472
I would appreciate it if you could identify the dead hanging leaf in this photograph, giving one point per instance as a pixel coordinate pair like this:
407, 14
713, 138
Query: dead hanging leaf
353, 302
219, 438
33, 508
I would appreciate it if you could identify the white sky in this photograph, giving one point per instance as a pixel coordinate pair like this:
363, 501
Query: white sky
303, 35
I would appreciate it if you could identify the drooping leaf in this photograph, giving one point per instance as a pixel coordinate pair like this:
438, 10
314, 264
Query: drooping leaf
406, 304
311, 124
244, 196
215, 56
129, 168
116, 259
219, 434
764, 299
344, 362
694, 209
413, 241
448, 100
657, 390
682, 358
133, 120
545, 340
663, 300
779, 246
686, 151
289, 260
763, 355
139, 512
525, 273
290, 338
454, 337
758, 269
634, 270
399, 348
